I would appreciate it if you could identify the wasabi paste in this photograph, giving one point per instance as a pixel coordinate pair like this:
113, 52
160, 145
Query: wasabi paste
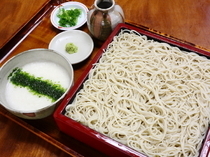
71, 48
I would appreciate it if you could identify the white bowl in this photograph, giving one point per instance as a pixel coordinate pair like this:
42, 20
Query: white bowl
33, 109
79, 38
82, 19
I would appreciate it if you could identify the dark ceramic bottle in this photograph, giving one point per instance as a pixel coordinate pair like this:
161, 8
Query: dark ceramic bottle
103, 17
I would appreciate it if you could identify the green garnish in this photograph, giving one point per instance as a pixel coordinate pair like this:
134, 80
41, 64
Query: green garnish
68, 18
36, 85
71, 48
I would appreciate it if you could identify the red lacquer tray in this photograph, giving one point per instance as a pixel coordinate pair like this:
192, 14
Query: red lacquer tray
94, 138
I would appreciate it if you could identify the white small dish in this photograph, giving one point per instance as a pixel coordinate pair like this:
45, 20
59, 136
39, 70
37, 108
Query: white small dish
82, 19
79, 38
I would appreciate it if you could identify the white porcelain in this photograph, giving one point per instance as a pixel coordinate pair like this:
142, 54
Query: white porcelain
102, 20
28, 57
79, 38
67, 6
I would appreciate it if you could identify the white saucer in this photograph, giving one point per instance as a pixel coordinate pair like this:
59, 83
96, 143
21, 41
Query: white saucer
79, 38
82, 19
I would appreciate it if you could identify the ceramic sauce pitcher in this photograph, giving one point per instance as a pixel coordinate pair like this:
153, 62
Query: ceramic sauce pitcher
103, 17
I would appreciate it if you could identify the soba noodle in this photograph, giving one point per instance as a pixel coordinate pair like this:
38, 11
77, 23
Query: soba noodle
148, 95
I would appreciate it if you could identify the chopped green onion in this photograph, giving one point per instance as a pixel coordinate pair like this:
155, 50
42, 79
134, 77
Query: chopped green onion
68, 18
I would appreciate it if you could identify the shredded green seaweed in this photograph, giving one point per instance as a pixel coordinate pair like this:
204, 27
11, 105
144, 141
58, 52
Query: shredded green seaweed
36, 85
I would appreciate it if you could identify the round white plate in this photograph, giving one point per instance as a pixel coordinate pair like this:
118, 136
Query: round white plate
79, 38
82, 19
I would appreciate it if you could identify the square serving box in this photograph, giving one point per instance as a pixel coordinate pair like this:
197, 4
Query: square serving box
97, 140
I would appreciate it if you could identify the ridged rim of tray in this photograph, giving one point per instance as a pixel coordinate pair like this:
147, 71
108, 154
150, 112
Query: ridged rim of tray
26, 29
